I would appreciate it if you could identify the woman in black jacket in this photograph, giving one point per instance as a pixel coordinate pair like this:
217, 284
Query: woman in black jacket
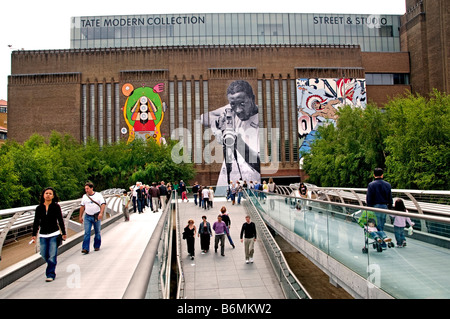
47, 218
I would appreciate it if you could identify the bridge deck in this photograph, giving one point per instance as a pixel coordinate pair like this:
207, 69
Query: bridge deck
100, 274
213, 276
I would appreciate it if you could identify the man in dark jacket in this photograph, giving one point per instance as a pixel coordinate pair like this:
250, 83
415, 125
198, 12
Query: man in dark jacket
154, 194
163, 193
379, 195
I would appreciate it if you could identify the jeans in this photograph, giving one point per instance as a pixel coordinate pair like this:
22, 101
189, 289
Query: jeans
381, 218
49, 250
195, 199
239, 197
399, 235
88, 223
220, 238
141, 204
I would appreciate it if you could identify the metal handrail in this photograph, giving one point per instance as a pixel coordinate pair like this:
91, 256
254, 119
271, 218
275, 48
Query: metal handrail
68, 208
410, 196
442, 219
273, 248
138, 285
180, 273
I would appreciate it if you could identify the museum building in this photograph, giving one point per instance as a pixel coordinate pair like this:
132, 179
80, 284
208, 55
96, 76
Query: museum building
181, 65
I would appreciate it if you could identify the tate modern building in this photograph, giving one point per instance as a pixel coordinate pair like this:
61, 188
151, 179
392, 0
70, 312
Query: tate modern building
248, 87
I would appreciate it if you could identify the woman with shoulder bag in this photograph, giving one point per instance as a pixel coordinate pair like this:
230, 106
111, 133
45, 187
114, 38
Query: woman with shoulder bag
49, 221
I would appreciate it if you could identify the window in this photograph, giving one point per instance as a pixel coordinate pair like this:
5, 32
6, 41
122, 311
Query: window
387, 78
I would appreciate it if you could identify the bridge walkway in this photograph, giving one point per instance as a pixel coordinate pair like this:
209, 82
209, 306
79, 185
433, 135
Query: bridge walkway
103, 274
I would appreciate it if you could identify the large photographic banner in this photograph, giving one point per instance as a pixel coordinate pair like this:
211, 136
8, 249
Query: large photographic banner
235, 127
318, 101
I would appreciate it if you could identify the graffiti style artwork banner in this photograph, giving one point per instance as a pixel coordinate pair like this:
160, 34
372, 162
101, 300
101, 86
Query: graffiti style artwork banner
318, 101
144, 112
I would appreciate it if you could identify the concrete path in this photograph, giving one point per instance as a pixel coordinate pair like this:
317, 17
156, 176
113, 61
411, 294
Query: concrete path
212, 276
102, 274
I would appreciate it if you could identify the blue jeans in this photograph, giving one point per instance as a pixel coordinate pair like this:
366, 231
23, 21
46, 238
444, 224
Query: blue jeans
88, 223
239, 197
381, 218
49, 250
195, 199
399, 235
141, 204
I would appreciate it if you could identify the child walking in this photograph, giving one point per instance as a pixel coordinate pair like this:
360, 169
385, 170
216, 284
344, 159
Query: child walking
400, 223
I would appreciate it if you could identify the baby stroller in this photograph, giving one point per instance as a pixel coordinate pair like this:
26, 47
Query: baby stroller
363, 221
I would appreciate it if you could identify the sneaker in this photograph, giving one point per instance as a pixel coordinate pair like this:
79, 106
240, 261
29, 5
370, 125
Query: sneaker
49, 279
251, 260
404, 244
84, 251
246, 261
96, 249
387, 240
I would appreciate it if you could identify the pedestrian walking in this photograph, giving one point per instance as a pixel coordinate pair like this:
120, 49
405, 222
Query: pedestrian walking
154, 193
400, 223
49, 221
226, 219
221, 231
163, 195
205, 196
205, 234
189, 234
125, 205
211, 197
239, 191
141, 196
248, 237
195, 189
183, 191
91, 213
379, 195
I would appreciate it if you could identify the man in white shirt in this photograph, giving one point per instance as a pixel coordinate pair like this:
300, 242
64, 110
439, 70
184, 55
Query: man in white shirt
92, 207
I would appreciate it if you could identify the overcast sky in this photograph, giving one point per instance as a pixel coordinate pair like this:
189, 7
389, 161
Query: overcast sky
45, 24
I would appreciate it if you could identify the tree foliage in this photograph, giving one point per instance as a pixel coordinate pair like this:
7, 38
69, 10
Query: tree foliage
418, 141
409, 138
345, 154
65, 164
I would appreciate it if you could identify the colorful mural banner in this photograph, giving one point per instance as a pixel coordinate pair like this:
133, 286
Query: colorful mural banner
144, 112
318, 101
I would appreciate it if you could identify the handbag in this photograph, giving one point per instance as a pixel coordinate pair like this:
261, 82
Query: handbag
96, 214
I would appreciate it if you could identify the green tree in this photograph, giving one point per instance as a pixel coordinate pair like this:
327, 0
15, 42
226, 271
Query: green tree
346, 153
65, 164
418, 143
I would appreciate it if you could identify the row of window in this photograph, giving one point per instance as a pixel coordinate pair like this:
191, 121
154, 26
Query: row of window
236, 28
372, 44
387, 78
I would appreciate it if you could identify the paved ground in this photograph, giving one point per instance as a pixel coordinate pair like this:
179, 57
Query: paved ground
213, 276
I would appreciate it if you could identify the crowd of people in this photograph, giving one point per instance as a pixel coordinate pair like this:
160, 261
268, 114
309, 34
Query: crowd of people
154, 196
50, 225
221, 231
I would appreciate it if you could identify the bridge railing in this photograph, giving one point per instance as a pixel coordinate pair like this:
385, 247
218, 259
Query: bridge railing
152, 276
329, 232
18, 222
425, 202
291, 286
